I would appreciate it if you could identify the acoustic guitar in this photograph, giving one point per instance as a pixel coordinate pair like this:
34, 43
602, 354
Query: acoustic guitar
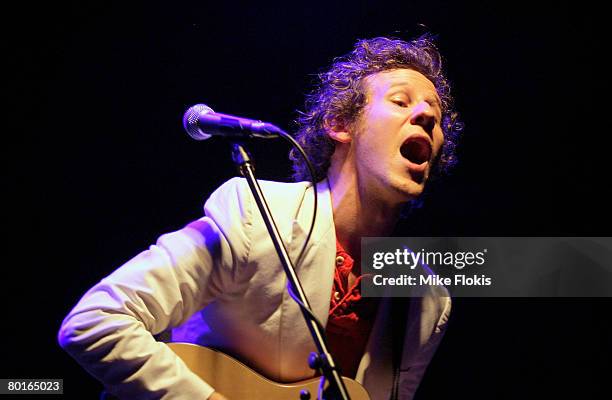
236, 381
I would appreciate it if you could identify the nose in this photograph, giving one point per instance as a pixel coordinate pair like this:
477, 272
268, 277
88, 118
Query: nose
423, 115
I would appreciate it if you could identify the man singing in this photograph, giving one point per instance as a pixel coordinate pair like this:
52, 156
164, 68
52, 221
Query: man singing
377, 127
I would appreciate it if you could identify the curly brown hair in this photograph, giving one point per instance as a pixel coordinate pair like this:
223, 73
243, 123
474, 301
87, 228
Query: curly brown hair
340, 97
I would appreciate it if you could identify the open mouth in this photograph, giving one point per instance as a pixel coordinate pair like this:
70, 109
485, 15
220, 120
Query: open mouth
416, 149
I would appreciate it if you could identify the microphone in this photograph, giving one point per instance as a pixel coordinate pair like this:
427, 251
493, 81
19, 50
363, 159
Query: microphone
201, 123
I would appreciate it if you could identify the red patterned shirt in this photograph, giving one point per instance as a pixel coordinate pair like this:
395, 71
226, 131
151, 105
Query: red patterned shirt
350, 316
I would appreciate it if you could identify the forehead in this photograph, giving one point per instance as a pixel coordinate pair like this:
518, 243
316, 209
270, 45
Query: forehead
381, 82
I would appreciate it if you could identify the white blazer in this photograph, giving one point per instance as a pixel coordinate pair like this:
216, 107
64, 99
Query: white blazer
218, 282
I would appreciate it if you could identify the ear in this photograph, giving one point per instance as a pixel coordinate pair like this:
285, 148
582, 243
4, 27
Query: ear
337, 132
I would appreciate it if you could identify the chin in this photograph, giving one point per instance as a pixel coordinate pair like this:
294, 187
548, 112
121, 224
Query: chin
408, 190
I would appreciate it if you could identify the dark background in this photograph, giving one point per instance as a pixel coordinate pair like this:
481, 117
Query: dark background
97, 165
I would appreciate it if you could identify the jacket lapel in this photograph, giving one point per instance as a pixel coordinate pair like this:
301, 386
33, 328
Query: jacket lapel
375, 370
315, 270
316, 266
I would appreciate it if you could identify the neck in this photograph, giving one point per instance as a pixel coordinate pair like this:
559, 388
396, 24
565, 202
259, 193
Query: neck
359, 212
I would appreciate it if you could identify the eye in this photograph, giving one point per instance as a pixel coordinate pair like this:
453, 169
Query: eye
399, 102
436, 107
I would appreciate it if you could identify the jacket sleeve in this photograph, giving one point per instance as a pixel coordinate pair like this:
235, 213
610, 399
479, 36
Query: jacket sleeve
110, 331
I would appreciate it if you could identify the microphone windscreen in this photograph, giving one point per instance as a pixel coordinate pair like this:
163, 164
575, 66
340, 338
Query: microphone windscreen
190, 121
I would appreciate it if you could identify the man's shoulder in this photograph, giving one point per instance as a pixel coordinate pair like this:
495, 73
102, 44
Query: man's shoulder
232, 204
239, 187
236, 194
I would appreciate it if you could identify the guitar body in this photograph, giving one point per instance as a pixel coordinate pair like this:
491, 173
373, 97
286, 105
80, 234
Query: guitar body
236, 381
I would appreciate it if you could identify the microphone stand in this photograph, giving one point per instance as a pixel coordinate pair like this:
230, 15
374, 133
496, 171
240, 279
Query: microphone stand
323, 360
